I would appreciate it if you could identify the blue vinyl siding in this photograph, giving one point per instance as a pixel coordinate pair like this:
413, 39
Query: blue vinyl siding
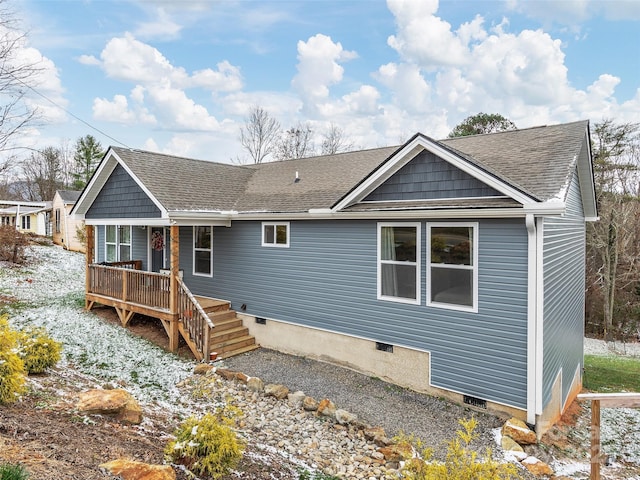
327, 280
564, 287
122, 197
428, 177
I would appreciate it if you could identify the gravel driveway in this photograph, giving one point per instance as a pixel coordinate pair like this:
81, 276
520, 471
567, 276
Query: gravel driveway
376, 402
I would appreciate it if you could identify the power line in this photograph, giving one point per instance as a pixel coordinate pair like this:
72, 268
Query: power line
65, 110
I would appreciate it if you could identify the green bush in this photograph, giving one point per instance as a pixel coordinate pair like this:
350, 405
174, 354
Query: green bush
12, 373
9, 471
461, 463
38, 350
207, 446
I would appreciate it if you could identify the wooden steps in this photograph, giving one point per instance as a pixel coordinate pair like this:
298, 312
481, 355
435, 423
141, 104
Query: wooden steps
229, 336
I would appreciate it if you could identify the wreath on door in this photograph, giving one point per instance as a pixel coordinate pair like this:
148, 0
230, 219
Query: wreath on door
157, 241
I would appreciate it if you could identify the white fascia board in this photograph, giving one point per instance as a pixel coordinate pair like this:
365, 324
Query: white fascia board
191, 218
137, 222
411, 150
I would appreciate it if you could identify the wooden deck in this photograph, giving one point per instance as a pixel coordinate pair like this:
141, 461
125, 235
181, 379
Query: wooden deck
207, 325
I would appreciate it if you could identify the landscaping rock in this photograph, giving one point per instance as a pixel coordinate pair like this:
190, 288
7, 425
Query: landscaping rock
343, 417
327, 408
202, 369
277, 391
296, 399
131, 470
537, 467
519, 431
255, 384
310, 404
117, 402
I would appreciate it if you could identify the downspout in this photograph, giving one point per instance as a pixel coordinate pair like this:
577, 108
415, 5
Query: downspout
532, 284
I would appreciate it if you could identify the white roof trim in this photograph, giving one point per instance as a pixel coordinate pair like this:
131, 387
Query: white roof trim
99, 179
410, 151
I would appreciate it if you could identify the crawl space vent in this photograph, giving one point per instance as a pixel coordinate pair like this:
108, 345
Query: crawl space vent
261, 321
474, 402
384, 347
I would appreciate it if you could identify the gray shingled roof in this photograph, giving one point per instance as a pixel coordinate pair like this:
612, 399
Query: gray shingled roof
69, 196
537, 161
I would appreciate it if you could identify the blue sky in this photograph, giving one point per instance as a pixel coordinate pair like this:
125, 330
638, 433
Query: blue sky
181, 76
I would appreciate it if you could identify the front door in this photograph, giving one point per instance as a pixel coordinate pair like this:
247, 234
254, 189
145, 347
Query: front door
157, 244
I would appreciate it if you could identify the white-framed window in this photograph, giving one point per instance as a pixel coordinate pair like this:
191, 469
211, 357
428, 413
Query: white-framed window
275, 234
399, 262
117, 243
203, 251
452, 265
57, 220
26, 222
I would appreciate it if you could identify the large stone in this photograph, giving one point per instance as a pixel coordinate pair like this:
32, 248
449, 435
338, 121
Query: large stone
310, 404
397, 453
296, 398
537, 467
372, 432
202, 369
509, 444
344, 418
327, 408
519, 431
255, 384
131, 470
117, 402
276, 390
226, 373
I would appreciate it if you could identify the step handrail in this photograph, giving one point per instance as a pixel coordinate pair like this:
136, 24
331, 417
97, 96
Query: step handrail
194, 303
195, 321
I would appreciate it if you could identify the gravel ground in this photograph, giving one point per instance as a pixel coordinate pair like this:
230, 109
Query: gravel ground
376, 402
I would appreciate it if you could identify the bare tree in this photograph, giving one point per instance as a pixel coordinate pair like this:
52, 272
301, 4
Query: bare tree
297, 142
614, 242
43, 174
15, 76
334, 141
259, 134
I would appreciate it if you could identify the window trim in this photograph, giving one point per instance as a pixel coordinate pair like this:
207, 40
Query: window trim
199, 249
275, 236
417, 263
57, 221
117, 243
25, 222
474, 267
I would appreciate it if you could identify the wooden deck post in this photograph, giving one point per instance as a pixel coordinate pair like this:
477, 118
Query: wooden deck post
595, 440
174, 335
89, 260
604, 400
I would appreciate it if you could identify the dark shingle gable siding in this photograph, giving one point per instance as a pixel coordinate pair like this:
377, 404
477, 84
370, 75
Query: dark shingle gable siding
122, 197
428, 177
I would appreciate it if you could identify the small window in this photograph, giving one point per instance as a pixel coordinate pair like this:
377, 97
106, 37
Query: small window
124, 243
275, 234
26, 222
452, 266
399, 262
57, 220
203, 251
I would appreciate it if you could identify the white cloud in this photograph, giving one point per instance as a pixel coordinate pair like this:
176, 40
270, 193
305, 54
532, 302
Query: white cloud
406, 77
177, 111
118, 111
426, 39
162, 27
89, 60
226, 78
319, 68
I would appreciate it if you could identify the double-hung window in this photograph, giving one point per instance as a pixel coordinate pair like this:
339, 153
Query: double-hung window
203, 251
117, 243
275, 234
26, 222
399, 262
452, 265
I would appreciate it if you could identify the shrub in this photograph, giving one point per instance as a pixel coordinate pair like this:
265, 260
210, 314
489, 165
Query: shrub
12, 373
38, 350
461, 463
9, 471
12, 244
207, 446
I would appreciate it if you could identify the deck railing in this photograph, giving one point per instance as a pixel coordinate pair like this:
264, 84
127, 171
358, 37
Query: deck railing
194, 319
129, 285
